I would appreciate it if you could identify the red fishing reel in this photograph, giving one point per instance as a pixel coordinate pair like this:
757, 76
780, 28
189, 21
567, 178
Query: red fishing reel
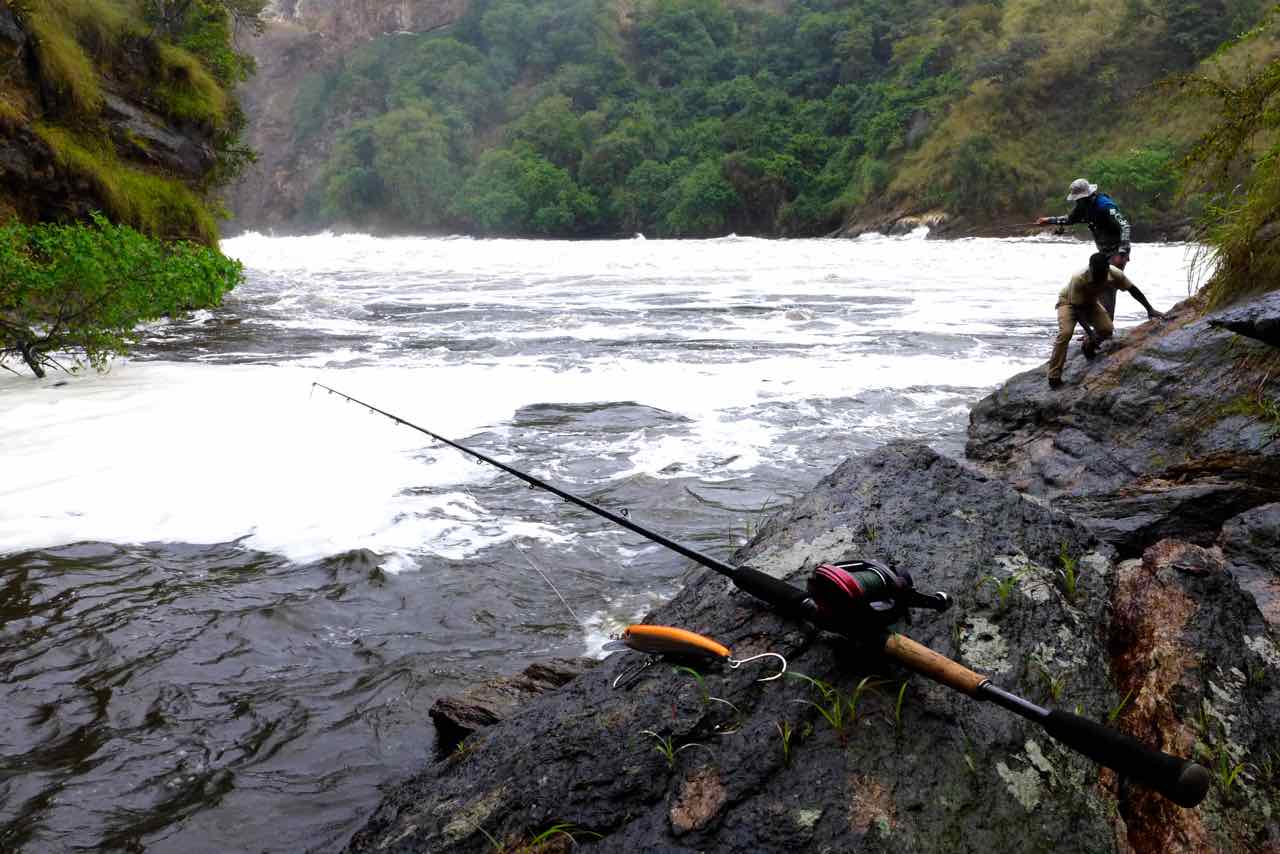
861, 593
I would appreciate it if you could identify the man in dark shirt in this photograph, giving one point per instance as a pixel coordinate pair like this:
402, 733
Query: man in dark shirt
1109, 227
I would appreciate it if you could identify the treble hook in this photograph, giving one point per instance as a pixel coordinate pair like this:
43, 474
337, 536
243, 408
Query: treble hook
633, 672
658, 641
735, 663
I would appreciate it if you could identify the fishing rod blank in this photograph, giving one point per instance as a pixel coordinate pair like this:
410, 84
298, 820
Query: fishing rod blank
860, 598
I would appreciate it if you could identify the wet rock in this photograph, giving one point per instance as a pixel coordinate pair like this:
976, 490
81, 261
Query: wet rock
456, 718
10, 30
724, 763
1251, 544
1201, 677
1168, 435
144, 136
1259, 319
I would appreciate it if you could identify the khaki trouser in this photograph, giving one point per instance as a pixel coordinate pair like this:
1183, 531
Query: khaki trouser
1093, 314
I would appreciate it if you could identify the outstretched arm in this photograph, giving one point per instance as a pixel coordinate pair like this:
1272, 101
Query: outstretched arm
1137, 294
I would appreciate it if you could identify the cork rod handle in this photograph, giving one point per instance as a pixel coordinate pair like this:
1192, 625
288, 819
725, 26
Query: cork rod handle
918, 658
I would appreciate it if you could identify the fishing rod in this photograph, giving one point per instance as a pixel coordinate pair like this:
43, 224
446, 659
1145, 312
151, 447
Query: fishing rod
860, 600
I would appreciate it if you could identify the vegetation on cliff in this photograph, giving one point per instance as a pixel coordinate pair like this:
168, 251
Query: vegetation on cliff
113, 111
697, 117
82, 289
173, 59
1237, 163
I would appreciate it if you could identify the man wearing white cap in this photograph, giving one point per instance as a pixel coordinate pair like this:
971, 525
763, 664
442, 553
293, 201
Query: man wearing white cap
1109, 227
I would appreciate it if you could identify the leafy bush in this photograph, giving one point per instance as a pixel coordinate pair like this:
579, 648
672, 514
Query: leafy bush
1144, 180
82, 289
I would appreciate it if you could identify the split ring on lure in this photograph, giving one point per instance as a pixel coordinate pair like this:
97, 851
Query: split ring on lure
658, 641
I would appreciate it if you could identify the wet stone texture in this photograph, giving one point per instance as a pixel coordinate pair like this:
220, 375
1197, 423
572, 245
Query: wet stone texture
1112, 550
1172, 432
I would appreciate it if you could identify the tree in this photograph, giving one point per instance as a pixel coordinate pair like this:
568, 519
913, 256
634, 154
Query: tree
171, 16
702, 202
411, 158
83, 289
517, 190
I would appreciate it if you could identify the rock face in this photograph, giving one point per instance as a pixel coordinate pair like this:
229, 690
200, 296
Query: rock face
1174, 431
1169, 645
349, 22
33, 184
306, 37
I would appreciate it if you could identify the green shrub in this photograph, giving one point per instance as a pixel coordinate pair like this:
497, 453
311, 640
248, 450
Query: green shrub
1144, 180
82, 289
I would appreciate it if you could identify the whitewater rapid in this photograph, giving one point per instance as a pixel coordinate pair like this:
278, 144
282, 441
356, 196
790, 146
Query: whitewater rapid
228, 598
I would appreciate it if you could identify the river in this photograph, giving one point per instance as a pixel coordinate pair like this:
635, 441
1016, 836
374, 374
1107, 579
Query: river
227, 599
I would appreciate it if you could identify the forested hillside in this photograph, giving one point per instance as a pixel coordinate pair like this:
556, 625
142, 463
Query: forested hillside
701, 117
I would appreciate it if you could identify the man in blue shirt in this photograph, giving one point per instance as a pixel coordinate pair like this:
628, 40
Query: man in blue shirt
1109, 227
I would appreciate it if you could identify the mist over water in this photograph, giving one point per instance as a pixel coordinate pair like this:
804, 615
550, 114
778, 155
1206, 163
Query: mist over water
228, 599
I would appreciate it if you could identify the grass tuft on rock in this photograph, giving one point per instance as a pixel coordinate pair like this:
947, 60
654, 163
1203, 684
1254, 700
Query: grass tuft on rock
185, 89
64, 63
153, 204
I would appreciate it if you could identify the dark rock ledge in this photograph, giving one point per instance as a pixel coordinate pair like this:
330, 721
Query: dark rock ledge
1148, 475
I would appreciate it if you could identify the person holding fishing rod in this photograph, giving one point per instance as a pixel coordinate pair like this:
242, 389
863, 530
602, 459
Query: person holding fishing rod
861, 600
1108, 225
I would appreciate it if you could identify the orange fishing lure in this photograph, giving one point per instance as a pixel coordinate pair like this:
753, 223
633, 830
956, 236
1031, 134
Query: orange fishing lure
657, 641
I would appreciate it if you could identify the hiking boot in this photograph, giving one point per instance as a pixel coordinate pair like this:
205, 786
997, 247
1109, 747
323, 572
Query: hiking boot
1054, 382
1090, 348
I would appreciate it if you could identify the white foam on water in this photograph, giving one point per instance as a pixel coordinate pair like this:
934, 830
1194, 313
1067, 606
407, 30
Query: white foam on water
207, 453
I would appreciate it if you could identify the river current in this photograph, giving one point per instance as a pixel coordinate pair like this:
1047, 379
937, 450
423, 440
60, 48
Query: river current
227, 599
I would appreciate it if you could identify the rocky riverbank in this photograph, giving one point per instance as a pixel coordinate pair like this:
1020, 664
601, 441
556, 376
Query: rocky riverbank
1113, 549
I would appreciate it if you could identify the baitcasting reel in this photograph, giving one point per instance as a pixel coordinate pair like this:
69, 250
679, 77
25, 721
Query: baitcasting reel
867, 594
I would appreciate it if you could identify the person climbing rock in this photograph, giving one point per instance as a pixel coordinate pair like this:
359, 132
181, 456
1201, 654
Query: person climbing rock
1108, 225
1080, 302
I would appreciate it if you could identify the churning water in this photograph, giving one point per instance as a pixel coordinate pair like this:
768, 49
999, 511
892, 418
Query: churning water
227, 601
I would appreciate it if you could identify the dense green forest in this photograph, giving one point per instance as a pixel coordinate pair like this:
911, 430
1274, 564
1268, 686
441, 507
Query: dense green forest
701, 117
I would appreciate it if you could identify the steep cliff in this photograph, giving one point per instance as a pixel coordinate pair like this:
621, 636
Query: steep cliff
303, 38
99, 112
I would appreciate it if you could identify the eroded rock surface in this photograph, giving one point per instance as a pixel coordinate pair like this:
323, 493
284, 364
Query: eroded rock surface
1170, 434
666, 765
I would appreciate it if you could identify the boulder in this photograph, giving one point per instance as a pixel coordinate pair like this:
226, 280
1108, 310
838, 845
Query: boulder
456, 718
1259, 319
716, 761
1171, 433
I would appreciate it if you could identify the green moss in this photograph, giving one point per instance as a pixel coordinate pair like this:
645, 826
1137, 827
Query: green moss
158, 206
11, 115
64, 63
186, 90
